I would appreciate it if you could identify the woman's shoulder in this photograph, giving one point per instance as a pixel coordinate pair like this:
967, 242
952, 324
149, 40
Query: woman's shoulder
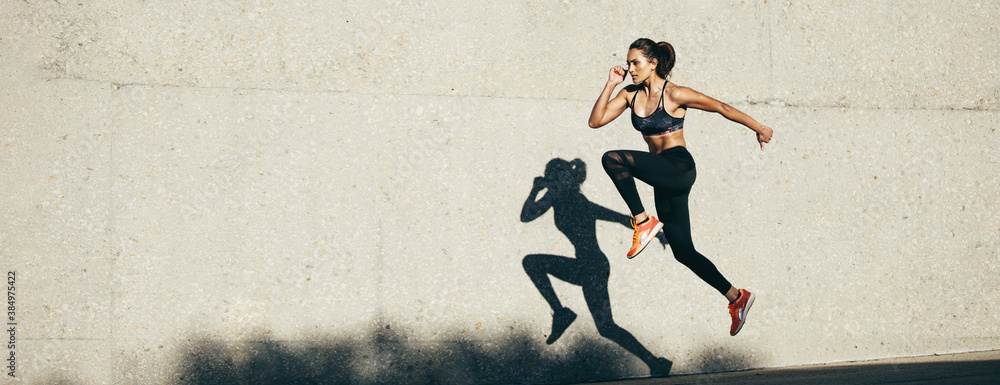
675, 91
629, 92
673, 88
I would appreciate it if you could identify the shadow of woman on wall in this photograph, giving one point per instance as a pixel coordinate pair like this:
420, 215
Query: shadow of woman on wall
576, 217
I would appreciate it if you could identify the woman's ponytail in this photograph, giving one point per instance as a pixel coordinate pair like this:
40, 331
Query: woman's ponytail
662, 52
666, 60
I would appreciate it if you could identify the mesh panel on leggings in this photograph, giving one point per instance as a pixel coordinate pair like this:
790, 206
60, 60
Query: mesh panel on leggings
616, 165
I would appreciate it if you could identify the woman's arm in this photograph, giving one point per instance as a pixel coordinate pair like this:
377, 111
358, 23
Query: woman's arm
693, 99
607, 110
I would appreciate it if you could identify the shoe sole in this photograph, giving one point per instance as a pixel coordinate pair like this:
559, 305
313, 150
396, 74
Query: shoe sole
746, 313
656, 230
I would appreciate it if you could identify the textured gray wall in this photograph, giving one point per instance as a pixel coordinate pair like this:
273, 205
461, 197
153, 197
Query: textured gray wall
236, 192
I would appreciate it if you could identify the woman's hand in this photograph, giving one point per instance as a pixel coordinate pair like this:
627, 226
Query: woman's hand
607, 109
764, 135
616, 76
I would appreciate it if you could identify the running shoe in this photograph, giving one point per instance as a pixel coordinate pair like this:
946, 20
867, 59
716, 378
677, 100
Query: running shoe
738, 309
644, 233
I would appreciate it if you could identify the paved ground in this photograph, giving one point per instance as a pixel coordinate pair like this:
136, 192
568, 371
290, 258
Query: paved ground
964, 368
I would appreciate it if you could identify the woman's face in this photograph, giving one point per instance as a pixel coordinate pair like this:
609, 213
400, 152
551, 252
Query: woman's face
638, 66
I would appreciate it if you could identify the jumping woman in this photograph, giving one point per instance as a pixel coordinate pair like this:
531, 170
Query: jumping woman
658, 109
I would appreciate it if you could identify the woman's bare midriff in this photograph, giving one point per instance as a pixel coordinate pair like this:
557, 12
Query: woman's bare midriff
662, 142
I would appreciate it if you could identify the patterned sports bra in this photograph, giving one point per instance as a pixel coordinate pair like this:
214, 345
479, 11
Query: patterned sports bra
657, 123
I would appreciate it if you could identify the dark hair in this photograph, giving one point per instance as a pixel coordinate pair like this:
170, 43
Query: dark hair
662, 52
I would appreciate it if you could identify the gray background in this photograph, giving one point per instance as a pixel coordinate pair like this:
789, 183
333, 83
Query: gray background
247, 191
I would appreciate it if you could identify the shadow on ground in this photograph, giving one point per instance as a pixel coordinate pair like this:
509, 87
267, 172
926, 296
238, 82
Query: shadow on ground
965, 369
717, 359
388, 356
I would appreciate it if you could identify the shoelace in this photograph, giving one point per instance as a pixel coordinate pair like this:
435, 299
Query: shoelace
636, 234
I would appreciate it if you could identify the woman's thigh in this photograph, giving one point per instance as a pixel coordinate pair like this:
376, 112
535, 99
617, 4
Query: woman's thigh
659, 171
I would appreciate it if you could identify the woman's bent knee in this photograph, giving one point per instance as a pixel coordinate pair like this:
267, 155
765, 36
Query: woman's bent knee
612, 158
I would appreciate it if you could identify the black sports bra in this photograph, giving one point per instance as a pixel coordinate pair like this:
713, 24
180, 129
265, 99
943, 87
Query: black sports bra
657, 123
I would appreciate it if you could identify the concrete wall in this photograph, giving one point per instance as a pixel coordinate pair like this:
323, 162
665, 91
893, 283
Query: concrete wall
330, 191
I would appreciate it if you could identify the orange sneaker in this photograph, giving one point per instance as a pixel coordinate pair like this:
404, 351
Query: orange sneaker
643, 234
738, 310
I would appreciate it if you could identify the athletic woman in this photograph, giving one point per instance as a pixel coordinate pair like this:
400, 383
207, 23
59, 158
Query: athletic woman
658, 109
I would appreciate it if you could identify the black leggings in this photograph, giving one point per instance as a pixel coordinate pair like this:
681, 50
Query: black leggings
671, 173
